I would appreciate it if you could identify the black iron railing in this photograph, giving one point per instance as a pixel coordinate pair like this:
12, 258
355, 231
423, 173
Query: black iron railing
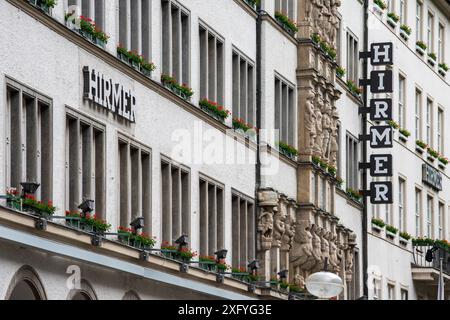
420, 254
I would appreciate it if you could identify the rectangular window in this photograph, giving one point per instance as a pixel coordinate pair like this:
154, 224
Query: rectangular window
287, 7
211, 216
430, 32
401, 101
419, 20
418, 115
243, 88
440, 131
85, 162
285, 110
441, 215
243, 226
391, 291
404, 294
402, 12
352, 162
175, 41
90, 9
175, 199
418, 213
211, 65
441, 43
352, 57
429, 120
401, 204
430, 213
28, 139
134, 182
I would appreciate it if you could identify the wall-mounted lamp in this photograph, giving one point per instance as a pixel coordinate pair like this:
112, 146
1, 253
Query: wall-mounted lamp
29, 187
87, 206
137, 224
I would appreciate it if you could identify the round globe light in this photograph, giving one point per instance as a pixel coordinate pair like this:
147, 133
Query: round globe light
324, 285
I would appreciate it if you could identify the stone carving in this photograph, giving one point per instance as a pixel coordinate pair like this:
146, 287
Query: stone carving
349, 255
334, 146
317, 244
299, 281
326, 127
323, 18
334, 261
310, 121
302, 253
319, 128
279, 226
268, 202
288, 236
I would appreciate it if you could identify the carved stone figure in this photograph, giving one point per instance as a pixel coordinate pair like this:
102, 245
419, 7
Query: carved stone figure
265, 229
299, 281
310, 121
334, 20
301, 256
334, 144
279, 226
334, 262
318, 143
317, 244
326, 129
268, 200
288, 236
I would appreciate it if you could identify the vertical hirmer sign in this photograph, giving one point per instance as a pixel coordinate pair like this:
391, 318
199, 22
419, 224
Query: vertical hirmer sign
380, 165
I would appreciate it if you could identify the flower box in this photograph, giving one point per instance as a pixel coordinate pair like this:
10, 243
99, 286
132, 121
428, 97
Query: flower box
100, 43
41, 4
420, 149
441, 165
123, 57
390, 234
213, 115
404, 35
146, 72
377, 10
135, 65
391, 22
431, 158
86, 35
420, 50
431, 61
403, 241
376, 228
402, 136
442, 69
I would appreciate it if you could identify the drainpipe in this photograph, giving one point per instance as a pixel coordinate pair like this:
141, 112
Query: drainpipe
364, 157
258, 114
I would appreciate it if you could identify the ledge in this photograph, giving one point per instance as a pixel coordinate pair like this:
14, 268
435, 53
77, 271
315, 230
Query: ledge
18, 227
114, 62
247, 8
277, 26
350, 201
272, 151
341, 82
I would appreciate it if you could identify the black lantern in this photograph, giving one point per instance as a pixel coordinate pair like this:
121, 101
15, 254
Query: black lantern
429, 255
182, 241
29, 187
87, 206
137, 224
253, 266
283, 274
221, 254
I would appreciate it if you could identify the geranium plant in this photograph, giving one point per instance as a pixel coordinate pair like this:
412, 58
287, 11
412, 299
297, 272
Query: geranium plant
42, 208
432, 152
405, 235
443, 160
443, 66
241, 124
405, 132
421, 45
406, 29
391, 229
354, 194
172, 83
381, 4
340, 72
216, 109
432, 55
393, 16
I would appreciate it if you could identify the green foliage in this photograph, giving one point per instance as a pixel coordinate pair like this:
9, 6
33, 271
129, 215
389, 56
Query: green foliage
405, 132
405, 235
406, 28
340, 72
421, 45
393, 16
171, 81
421, 144
215, 108
290, 150
443, 66
381, 4
391, 229
286, 22
378, 222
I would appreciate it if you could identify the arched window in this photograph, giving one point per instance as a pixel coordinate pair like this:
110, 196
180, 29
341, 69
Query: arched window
25, 285
84, 293
131, 295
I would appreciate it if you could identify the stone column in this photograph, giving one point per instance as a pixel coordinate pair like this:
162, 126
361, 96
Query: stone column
268, 203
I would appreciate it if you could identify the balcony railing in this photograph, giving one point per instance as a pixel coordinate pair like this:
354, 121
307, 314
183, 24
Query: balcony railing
419, 255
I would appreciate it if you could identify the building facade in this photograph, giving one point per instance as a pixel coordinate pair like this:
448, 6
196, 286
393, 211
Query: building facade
241, 138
